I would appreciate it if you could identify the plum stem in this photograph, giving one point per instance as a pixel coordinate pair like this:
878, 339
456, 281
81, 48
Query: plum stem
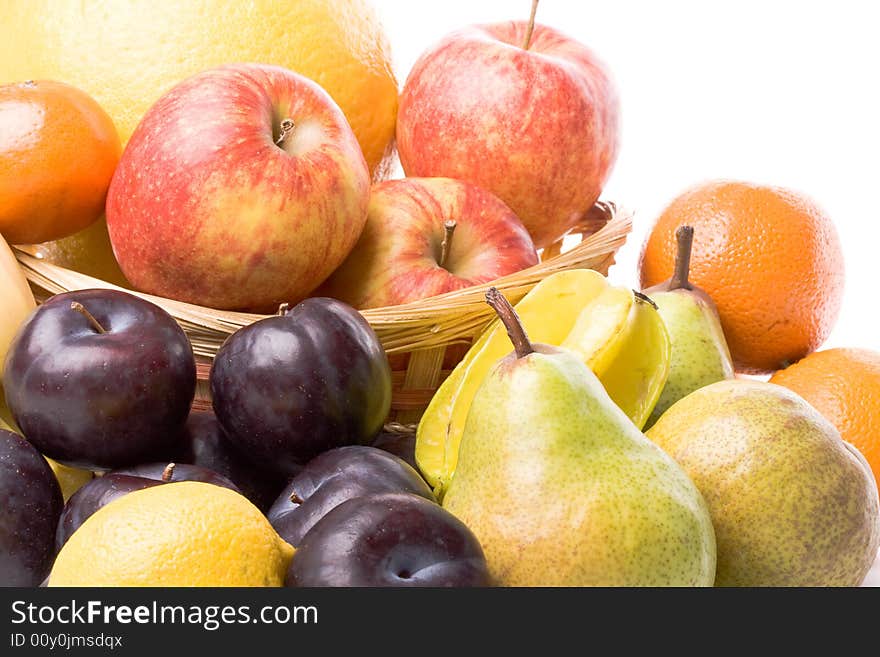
515, 330
684, 237
78, 307
296, 499
285, 128
282, 309
446, 244
531, 27
168, 472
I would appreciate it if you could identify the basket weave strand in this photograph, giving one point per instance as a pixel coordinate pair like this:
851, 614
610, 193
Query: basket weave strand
422, 329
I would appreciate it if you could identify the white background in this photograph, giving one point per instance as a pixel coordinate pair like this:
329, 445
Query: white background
774, 91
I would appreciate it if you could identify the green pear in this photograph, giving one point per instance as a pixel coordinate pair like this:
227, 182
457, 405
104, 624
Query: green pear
792, 503
562, 489
699, 351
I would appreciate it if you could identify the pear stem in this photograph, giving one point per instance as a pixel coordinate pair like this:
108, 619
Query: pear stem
684, 237
78, 307
446, 244
531, 27
168, 472
515, 330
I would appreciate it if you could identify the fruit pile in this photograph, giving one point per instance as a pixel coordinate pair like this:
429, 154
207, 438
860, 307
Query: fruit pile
592, 434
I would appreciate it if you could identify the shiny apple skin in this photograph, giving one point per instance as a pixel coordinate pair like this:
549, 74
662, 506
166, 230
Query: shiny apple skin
100, 491
334, 477
204, 444
32, 503
537, 127
289, 387
394, 539
100, 400
397, 259
206, 207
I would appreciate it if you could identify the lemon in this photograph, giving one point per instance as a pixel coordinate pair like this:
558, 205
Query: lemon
181, 534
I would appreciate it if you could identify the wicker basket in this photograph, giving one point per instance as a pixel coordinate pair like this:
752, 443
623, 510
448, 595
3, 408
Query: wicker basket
424, 340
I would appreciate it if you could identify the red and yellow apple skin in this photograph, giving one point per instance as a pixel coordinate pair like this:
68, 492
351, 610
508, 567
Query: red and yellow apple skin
206, 207
397, 259
537, 127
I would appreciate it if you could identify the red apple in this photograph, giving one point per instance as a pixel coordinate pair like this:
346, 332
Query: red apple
400, 256
535, 125
241, 188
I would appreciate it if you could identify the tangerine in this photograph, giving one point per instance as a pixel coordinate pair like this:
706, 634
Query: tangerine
769, 257
58, 152
844, 386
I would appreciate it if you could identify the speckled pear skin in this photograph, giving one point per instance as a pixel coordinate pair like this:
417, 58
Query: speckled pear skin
562, 489
792, 504
699, 353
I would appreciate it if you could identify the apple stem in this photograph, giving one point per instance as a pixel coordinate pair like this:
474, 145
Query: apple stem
684, 237
283, 308
168, 472
527, 41
506, 313
285, 129
446, 245
78, 307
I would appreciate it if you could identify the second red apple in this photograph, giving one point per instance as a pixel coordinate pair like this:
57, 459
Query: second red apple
401, 257
529, 116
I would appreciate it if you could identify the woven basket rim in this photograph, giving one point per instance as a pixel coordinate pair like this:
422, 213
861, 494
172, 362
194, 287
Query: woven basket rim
440, 320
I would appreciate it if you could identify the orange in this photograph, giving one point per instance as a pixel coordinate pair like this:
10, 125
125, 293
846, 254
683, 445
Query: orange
58, 151
844, 386
769, 257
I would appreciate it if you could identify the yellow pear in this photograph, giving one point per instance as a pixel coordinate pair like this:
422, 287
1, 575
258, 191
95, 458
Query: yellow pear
792, 503
699, 355
562, 489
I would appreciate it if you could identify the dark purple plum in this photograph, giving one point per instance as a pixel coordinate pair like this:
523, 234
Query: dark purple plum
399, 443
100, 379
101, 491
32, 503
289, 387
393, 539
204, 444
169, 473
334, 477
